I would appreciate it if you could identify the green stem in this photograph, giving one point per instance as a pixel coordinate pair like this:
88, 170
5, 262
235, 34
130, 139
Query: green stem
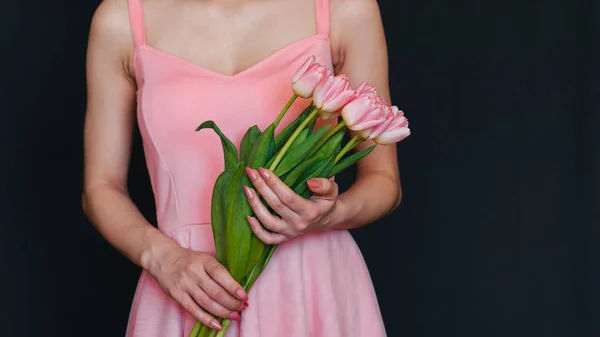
323, 140
204, 331
221, 333
293, 137
196, 330
349, 146
284, 110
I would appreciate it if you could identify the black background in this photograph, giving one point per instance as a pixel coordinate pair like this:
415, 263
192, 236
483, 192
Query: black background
497, 234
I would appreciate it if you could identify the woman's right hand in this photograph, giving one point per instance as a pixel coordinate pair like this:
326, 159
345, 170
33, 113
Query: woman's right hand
200, 284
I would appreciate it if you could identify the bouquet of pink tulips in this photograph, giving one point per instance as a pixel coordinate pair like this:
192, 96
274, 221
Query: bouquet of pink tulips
295, 155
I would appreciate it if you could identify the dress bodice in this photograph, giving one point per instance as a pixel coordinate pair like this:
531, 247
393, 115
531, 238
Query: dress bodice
175, 96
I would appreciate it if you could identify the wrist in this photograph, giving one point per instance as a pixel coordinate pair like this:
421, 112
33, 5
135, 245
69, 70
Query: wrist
156, 251
342, 214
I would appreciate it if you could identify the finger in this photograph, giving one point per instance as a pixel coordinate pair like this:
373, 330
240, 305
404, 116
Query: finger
192, 307
207, 303
323, 188
268, 220
264, 235
264, 189
220, 295
284, 193
218, 273
203, 299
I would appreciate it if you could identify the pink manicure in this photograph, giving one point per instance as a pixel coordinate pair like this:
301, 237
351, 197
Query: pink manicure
216, 325
235, 316
264, 173
314, 183
250, 221
248, 192
251, 173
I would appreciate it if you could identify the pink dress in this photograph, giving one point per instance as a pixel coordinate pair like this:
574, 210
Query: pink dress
316, 285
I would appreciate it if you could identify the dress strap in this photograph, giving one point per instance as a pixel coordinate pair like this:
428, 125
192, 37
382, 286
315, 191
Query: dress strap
322, 14
136, 18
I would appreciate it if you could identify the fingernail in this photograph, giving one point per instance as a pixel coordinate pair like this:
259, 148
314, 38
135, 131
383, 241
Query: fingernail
251, 222
251, 173
235, 317
216, 325
264, 173
314, 183
248, 192
241, 294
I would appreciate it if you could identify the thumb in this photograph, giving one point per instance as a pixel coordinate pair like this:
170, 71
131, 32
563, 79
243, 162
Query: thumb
325, 188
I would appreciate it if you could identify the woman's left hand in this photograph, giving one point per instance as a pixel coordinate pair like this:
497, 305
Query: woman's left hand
298, 215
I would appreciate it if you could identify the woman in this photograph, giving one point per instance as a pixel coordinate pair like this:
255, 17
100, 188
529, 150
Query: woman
181, 62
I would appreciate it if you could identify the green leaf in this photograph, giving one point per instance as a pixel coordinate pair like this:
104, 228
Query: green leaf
218, 212
263, 148
259, 267
257, 247
247, 142
301, 137
299, 150
237, 235
332, 146
230, 152
301, 187
284, 135
350, 160
311, 126
303, 170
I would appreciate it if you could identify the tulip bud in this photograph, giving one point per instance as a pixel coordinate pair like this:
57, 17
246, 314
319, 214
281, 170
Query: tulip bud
388, 113
307, 77
331, 95
365, 89
363, 115
396, 131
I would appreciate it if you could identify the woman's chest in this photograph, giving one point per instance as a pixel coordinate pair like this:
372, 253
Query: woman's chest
227, 37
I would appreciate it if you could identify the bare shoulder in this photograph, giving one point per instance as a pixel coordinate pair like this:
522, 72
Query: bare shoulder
354, 12
111, 29
356, 33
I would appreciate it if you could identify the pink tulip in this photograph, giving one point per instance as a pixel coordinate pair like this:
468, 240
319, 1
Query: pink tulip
389, 113
396, 131
331, 95
364, 115
365, 89
307, 77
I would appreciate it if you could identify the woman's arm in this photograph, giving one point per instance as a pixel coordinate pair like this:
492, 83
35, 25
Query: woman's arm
108, 128
360, 52
194, 279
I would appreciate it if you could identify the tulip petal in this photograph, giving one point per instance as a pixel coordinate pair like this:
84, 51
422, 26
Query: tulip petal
370, 124
392, 136
338, 102
302, 70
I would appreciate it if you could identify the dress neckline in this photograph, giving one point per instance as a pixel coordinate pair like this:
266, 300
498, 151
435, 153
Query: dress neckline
253, 68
